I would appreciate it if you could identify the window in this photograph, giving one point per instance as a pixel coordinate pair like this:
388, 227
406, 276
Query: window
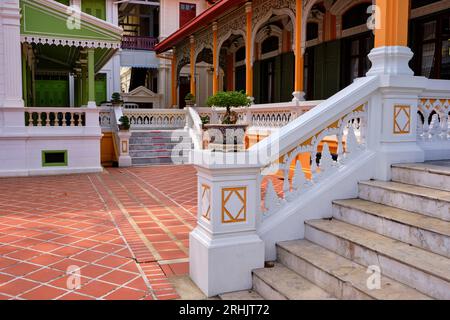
355, 16
434, 46
240, 54
312, 31
269, 45
95, 8
187, 13
420, 3
54, 158
355, 54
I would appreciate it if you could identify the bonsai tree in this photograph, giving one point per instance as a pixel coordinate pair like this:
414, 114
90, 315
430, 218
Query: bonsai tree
229, 100
189, 98
124, 123
116, 99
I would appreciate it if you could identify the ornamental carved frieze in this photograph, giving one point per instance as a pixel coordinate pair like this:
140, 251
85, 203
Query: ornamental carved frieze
262, 7
182, 54
232, 24
203, 40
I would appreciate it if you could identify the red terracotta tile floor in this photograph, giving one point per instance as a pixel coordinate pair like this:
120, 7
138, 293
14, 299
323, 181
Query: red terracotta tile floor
118, 234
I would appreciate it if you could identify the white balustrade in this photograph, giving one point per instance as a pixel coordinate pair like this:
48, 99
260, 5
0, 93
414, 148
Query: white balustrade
55, 117
433, 122
156, 118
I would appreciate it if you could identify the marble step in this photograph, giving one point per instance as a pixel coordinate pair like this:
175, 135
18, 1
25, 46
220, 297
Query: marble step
281, 283
419, 230
427, 201
339, 276
153, 140
241, 295
426, 174
159, 160
159, 133
159, 146
159, 153
415, 267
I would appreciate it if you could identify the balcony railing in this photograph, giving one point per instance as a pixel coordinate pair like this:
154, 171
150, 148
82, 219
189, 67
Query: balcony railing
139, 43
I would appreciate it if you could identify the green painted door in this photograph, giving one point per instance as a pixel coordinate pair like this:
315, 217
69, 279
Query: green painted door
327, 69
96, 8
52, 93
100, 88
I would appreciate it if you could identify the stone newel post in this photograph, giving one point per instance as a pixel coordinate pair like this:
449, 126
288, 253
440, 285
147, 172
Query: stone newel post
224, 247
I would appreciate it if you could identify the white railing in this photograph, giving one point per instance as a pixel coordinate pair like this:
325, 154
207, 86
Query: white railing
105, 118
55, 117
261, 116
194, 127
156, 118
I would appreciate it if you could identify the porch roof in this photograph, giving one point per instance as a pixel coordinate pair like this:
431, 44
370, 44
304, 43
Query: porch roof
50, 22
209, 15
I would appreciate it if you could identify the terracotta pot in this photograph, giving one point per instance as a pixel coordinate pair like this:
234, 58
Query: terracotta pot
218, 136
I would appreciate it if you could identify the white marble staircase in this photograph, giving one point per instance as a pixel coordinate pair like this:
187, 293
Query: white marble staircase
402, 227
154, 147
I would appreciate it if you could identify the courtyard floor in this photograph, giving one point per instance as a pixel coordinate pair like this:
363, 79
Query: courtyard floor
119, 234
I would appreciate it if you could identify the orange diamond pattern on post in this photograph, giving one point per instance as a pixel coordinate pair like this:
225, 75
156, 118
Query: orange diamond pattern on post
402, 119
234, 205
206, 201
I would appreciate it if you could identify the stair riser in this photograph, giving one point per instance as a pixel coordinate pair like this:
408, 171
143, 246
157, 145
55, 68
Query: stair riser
147, 140
326, 281
159, 134
431, 207
421, 238
160, 146
409, 275
159, 161
266, 291
421, 178
144, 153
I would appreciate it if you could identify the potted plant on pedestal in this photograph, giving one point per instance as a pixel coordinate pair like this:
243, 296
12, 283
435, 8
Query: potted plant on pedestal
189, 99
124, 124
116, 99
232, 134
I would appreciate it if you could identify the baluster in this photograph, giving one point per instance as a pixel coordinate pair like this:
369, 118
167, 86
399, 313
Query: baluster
299, 180
426, 126
72, 119
286, 185
39, 119
271, 199
420, 135
64, 124
435, 127
80, 121
340, 150
444, 125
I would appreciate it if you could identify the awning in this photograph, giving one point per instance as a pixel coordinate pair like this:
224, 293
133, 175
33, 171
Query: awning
208, 16
50, 22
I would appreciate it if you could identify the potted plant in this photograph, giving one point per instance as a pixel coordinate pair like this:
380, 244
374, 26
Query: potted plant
232, 133
116, 99
189, 99
124, 123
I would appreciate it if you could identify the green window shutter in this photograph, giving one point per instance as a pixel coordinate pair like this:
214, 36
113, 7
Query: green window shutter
52, 93
96, 8
332, 68
257, 81
277, 91
287, 74
319, 58
100, 88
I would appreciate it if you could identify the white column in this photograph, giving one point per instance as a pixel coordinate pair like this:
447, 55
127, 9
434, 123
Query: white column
11, 62
71, 91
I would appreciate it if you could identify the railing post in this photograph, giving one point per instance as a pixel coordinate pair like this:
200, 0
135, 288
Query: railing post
224, 247
124, 143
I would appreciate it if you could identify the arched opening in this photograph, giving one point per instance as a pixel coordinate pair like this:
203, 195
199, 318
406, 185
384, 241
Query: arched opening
232, 62
273, 76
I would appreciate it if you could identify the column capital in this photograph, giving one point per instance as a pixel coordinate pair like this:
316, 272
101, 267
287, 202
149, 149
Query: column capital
191, 39
248, 7
214, 26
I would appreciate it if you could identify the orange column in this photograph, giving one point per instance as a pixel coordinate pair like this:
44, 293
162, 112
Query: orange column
248, 51
174, 78
215, 60
298, 86
392, 24
192, 64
